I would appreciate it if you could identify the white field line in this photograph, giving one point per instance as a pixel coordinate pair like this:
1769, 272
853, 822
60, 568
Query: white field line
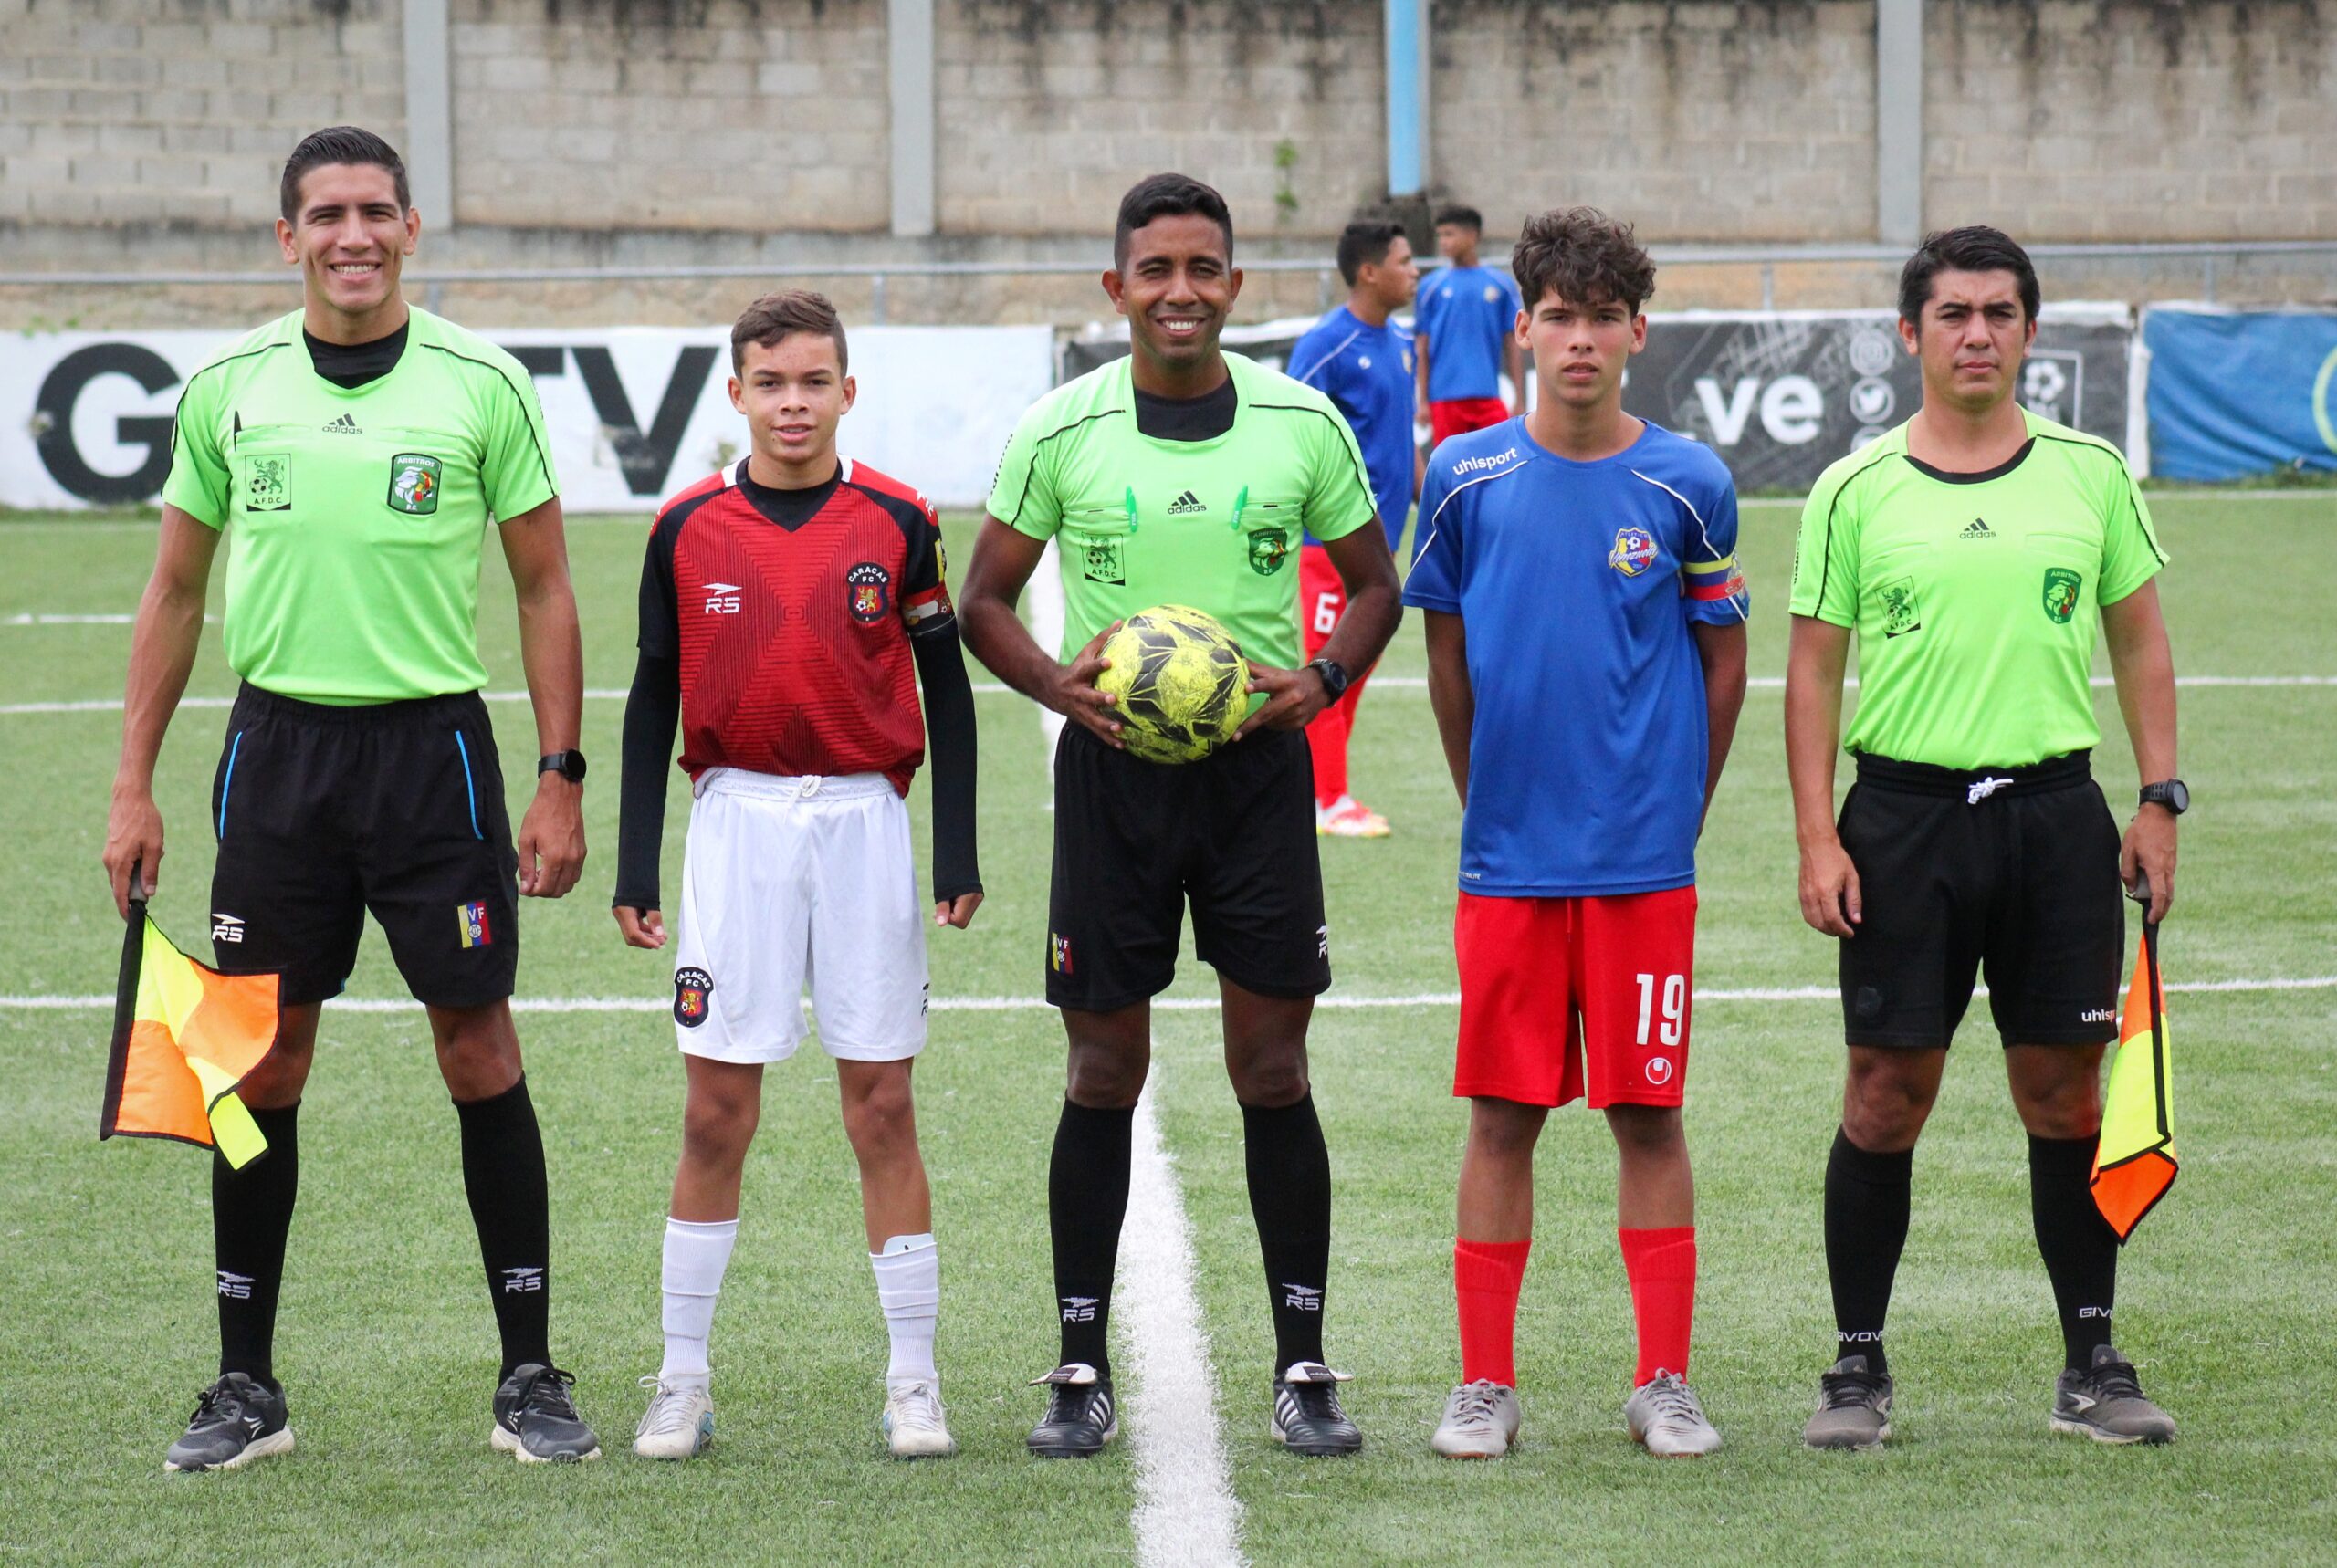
1186, 1512
1163, 1004
1050, 722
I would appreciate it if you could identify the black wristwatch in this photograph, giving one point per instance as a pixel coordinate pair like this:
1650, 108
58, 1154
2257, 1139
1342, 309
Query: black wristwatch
569, 764
2170, 794
1335, 679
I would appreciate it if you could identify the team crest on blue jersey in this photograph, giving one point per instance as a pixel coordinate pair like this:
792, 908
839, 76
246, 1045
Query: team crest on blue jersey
471, 918
868, 585
691, 986
1634, 551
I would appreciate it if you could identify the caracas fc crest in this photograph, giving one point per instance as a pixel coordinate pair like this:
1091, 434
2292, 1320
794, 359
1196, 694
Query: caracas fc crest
868, 590
691, 986
1634, 551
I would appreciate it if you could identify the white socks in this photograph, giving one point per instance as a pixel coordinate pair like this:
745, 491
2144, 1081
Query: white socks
908, 1288
696, 1255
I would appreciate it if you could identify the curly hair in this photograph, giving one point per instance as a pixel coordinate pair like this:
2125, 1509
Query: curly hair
1581, 255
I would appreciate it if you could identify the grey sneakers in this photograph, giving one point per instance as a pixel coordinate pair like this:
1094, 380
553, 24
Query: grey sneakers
236, 1420
2105, 1403
1666, 1420
1480, 1422
1853, 1407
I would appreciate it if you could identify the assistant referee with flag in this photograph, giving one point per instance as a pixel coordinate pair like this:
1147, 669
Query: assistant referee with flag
1972, 553
355, 450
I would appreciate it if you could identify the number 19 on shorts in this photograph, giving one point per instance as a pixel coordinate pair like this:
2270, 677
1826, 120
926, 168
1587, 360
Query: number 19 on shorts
1672, 990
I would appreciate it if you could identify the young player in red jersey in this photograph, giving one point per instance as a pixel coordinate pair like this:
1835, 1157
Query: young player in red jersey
783, 605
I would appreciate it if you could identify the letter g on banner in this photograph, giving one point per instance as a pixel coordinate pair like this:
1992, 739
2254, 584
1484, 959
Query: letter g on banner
53, 422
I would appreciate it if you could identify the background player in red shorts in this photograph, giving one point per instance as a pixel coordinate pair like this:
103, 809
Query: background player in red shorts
1466, 325
783, 605
1585, 642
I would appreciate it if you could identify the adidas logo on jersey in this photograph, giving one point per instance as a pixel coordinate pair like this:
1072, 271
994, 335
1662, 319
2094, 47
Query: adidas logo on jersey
344, 425
1185, 505
721, 598
1977, 528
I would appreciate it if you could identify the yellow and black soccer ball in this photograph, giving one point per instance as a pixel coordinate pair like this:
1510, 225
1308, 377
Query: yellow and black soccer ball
1182, 682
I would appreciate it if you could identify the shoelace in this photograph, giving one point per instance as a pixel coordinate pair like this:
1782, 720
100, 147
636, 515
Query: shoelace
1843, 1390
2115, 1380
1318, 1401
1476, 1405
548, 1396
667, 1410
1070, 1402
1675, 1400
920, 1403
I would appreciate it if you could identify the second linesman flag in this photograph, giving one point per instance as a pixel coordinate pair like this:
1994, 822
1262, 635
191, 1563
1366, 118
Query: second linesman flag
184, 1036
2134, 1165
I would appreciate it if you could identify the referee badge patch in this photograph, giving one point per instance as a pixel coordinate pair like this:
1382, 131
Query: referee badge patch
2061, 586
691, 986
267, 482
413, 484
1268, 550
867, 586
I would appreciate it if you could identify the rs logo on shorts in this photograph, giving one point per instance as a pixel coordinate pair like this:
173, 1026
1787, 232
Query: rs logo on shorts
691, 986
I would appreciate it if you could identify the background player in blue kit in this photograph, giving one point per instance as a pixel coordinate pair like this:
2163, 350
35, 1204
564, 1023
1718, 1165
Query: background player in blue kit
1585, 642
1466, 325
1364, 360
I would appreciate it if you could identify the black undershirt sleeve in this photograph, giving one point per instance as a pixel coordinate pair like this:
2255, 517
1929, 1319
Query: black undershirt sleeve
949, 741
652, 713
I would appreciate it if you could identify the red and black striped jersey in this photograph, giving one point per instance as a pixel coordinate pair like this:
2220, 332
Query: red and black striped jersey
791, 614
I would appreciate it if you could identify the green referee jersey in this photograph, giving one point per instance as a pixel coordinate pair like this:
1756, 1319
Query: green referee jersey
1211, 524
354, 518
1977, 598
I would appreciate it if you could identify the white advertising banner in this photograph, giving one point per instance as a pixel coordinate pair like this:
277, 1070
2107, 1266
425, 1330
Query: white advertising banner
635, 413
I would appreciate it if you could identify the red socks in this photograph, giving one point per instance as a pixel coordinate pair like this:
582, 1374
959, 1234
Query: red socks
1485, 1277
1663, 1268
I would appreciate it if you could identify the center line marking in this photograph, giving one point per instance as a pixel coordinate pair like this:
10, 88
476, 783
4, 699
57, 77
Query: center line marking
1186, 1512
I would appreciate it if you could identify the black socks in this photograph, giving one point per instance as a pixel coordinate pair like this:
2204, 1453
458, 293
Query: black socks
251, 1214
1290, 1196
1087, 1199
503, 1173
1866, 1227
2079, 1249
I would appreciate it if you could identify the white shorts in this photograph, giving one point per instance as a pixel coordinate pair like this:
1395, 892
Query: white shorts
790, 881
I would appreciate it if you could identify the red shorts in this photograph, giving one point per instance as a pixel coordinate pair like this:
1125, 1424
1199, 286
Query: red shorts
1564, 996
1460, 415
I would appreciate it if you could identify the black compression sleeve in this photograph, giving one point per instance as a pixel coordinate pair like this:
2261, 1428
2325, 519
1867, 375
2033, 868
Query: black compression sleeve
949, 741
652, 713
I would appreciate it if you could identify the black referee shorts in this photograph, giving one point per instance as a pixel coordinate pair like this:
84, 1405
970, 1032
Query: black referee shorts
323, 813
2009, 871
1233, 833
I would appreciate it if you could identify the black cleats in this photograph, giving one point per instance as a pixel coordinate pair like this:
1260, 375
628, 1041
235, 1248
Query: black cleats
236, 1420
1081, 1414
536, 1418
1307, 1418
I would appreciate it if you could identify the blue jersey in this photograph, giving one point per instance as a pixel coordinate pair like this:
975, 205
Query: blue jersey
1368, 371
1577, 584
1468, 314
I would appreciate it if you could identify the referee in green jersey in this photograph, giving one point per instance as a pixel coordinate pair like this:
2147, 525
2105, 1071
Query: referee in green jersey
1972, 553
354, 451
1184, 474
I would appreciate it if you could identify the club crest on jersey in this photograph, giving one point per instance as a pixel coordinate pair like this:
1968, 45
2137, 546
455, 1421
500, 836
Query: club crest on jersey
1268, 547
413, 484
1634, 551
268, 483
470, 920
2061, 587
868, 586
691, 986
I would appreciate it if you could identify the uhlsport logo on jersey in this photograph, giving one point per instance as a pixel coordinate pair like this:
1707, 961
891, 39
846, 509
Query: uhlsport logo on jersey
2061, 587
1634, 551
867, 584
1658, 1071
692, 987
471, 920
413, 484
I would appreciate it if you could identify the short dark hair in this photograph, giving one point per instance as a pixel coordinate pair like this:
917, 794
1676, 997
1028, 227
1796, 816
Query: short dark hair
1167, 196
776, 316
338, 145
1581, 255
1465, 218
1366, 243
1976, 249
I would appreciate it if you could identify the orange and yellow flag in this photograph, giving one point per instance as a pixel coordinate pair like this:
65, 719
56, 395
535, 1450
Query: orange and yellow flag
2135, 1164
184, 1036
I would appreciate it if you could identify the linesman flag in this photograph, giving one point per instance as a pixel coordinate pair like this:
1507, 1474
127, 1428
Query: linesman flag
2134, 1164
184, 1036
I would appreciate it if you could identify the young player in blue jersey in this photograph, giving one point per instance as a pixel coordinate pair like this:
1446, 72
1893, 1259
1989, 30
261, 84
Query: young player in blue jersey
1364, 360
1585, 642
1464, 323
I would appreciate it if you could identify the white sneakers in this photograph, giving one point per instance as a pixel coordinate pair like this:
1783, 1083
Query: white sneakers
915, 1425
1480, 1422
678, 1424
1349, 818
1667, 1420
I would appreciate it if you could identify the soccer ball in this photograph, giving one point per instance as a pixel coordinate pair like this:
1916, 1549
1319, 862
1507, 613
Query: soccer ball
1182, 682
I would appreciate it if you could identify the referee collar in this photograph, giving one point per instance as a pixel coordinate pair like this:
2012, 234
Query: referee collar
1983, 476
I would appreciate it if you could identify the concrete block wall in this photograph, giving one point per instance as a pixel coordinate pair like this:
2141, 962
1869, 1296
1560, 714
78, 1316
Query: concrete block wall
719, 114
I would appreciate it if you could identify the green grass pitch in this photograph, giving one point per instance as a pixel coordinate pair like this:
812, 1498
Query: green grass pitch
387, 1346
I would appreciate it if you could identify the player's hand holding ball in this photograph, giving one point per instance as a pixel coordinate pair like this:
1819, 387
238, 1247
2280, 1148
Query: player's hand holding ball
1293, 698
1077, 697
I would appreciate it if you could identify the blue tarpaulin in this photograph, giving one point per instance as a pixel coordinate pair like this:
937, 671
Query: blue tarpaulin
2235, 393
